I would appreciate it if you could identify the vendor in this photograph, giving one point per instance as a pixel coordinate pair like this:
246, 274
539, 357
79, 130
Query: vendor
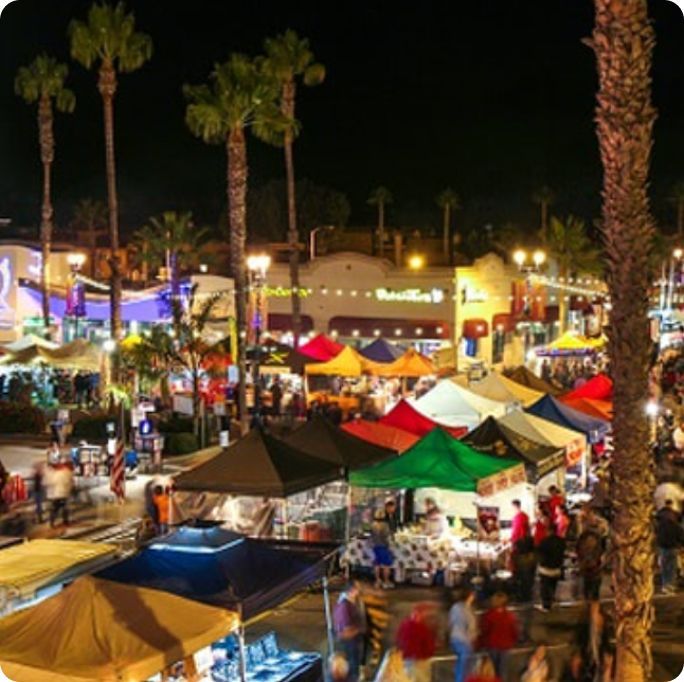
435, 523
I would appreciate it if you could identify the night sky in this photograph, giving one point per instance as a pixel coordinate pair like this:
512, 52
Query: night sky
491, 97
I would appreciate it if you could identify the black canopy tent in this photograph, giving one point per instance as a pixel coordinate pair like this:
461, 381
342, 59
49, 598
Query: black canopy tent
277, 357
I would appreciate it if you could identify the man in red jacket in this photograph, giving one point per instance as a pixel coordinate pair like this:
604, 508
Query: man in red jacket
498, 631
417, 641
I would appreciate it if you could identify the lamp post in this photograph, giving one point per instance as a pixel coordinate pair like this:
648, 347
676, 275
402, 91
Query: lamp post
257, 265
416, 262
312, 238
75, 305
528, 264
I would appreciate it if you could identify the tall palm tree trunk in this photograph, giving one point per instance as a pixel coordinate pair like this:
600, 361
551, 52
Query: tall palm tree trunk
445, 233
47, 155
237, 215
563, 304
381, 228
107, 87
288, 109
623, 40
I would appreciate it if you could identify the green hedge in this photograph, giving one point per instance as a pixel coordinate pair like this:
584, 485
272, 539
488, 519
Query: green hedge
175, 424
21, 418
180, 443
93, 428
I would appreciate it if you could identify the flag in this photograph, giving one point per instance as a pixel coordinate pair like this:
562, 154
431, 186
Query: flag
117, 477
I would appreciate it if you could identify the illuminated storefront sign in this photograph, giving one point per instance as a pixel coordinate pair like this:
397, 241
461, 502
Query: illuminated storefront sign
410, 295
470, 294
284, 292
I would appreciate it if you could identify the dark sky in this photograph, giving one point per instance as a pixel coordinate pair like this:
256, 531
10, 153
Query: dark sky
491, 97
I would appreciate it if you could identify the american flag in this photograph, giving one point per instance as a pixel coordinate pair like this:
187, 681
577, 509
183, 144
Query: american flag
117, 479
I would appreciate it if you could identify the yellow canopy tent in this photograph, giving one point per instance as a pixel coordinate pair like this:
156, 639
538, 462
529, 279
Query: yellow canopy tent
26, 568
410, 364
79, 354
498, 387
348, 363
569, 343
100, 631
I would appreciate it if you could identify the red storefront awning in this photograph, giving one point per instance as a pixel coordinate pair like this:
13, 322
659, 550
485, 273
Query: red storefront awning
282, 322
475, 329
551, 314
389, 328
503, 322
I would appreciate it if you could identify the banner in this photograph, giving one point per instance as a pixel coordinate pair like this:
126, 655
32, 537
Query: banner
501, 481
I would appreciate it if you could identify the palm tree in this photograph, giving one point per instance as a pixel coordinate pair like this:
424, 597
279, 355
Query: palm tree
42, 82
573, 252
290, 59
544, 196
241, 95
623, 40
448, 201
108, 40
90, 215
677, 198
380, 197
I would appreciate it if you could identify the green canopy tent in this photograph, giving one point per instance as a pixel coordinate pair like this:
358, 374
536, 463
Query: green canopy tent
440, 461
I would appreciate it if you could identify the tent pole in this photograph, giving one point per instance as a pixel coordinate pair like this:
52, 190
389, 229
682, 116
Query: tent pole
347, 533
328, 615
241, 648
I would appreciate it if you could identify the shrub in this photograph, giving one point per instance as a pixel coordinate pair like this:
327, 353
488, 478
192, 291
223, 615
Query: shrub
175, 424
93, 428
21, 418
180, 443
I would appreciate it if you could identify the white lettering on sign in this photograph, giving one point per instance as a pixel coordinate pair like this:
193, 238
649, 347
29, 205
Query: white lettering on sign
410, 295
284, 292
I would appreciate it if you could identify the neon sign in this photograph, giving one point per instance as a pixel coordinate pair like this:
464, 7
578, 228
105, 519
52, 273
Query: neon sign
410, 295
284, 292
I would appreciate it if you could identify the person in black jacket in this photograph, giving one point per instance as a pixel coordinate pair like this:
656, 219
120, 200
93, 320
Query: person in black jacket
551, 553
669, 537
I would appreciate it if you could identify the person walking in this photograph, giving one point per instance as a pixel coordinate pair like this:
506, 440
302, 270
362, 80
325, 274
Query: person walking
551, 553
499, 631
382, 554
589, 550
463, 632
161, 503
520, 523
669, 538
60, 487
39, 489
417, 642
349, 624
562, 521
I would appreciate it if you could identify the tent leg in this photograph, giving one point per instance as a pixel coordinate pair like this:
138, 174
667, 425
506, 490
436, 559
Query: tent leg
347, 533
328, 616
243, 657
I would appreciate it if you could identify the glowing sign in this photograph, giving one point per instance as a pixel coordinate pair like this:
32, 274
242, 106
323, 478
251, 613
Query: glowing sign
6, 310
410, 295
284, 292
36, 267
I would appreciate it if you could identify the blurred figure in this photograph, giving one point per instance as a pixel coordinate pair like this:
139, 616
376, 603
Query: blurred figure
436, 523
382, 554
537, 668
4, 479
520, 524
589, 550
161, 503
276, 395
60, 484
484, 671
417, 641
669, 538
339, 668
576, 670
350, 625
499, 631
39, 489
53, 453
551, 555
541, 525
554, 501
562, 521
463, 632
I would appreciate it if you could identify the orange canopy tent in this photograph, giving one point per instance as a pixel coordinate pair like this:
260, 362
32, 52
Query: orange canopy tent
410, 364
381, 434
603, 409
348, 363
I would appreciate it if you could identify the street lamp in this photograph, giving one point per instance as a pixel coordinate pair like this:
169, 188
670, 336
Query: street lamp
416, 262
257, 265
312, 238
528, 266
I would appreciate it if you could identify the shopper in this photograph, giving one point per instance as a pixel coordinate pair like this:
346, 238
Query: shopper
520, 523
669, 538
541, 525
60, 486
562, 521
417, 641
551, 553
39, 489
463, 632
161, 503
382, 554
499, 631
349, 623
524, 565
554, 501
589, 550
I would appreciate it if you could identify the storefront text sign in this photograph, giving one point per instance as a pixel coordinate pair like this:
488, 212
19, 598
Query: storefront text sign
410, 295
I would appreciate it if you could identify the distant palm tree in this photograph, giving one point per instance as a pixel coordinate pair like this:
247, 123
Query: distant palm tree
544, 196
677, 198
90, 215
623, 40
380, 197
42, 82
448, 201
108, 40
240, 95
289, 59
570, 247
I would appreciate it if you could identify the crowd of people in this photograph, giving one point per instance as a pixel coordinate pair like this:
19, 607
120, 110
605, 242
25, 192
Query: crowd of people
571, 373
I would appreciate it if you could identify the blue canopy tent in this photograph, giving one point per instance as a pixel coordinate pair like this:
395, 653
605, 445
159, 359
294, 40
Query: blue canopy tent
555, 411
222, 568
381, 350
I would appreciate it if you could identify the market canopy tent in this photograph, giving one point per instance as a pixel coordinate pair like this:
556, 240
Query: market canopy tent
381, 350
405, 416
77, 355
440, 461
260, 465
544, 431
320, 438
569, 344
449, 403
30, 566
601, 409
494, 439
498, 387
28, 341
382, 435
277, 357
101, 631
599, 387
526, 377
410, 364
321, 348
221, 568
552, 409
347, 364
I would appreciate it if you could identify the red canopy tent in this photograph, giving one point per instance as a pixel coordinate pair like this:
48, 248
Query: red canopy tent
381, 434
603, 409
404, 416
321, 348
599, 387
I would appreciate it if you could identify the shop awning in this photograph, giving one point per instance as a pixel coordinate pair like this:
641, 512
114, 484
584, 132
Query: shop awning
503, 322
495, 439
406, 417
449, 403
599, 387
440, 461
410, 364
322, 439
321, 348
77, 355
602, 409
238, 573
282, 322
381, 350
33, 565
498, 387
382, 435
526, 377
101, 631
475, 329
391, 328
259, 465
347, 364
554, 410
